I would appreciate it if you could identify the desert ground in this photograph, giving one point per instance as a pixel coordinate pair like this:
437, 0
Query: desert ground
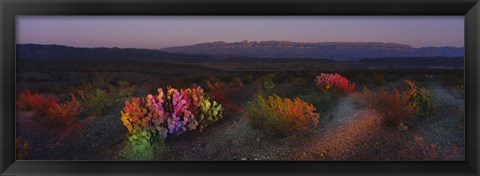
346, 130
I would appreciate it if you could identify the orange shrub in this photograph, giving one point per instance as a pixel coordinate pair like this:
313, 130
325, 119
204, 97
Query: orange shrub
47, 106
214, 83
395, 107
65, 113
281, 115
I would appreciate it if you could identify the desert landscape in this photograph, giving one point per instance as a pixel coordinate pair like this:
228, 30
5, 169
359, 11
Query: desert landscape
241, 101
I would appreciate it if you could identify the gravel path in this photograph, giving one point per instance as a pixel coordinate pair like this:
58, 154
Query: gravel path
446, 127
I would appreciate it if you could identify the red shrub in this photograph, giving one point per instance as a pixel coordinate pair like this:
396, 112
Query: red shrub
335, 81
39, 103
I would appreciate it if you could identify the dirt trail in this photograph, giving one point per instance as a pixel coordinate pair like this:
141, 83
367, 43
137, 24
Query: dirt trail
351, 133
345, 135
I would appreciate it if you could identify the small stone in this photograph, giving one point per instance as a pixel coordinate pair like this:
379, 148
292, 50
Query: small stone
258, 139
243, 159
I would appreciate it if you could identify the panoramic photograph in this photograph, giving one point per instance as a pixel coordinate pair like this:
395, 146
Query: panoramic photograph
240, 88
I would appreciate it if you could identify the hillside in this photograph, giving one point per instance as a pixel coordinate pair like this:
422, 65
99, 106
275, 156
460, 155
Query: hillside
47, 53
35, 51
328, 50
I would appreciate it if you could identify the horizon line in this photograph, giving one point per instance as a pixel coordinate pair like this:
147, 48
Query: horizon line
249, 41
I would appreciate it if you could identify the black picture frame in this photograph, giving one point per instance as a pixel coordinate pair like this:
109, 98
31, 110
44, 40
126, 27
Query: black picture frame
10, 8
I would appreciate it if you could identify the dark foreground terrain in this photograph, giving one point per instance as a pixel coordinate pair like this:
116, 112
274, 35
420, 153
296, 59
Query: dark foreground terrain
346, 130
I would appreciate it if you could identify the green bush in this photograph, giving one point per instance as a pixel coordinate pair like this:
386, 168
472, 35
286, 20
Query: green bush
97, 101
210, 113
268, 82
423, 99
281, 116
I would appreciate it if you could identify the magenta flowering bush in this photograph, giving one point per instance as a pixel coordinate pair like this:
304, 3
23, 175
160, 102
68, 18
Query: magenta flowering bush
327, 82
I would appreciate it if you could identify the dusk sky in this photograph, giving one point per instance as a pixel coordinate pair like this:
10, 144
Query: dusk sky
155, 32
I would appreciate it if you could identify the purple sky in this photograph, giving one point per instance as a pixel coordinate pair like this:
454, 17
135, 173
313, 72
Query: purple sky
163, 31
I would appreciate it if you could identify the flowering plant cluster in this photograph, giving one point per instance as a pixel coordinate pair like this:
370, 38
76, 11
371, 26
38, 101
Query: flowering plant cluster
327, 82
169, 113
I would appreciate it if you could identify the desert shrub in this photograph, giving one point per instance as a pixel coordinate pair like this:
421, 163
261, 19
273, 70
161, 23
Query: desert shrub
211, 112
22, 148
125, 90
220, 95
423, 99
151, 119
236, 82
97, 101
39, 103
327, 82
395, 107
214, 83
48, 107
100, 83
97, 95
281, 116
268, 81
62, 114
217, 90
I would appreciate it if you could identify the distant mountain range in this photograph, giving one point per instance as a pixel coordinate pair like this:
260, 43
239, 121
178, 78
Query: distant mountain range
326, 50
35, 51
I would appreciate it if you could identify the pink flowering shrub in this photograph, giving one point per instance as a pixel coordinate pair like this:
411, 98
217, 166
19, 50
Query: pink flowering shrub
327, 82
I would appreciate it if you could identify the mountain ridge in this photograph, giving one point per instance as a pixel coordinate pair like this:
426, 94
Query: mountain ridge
52, 51
327, 50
